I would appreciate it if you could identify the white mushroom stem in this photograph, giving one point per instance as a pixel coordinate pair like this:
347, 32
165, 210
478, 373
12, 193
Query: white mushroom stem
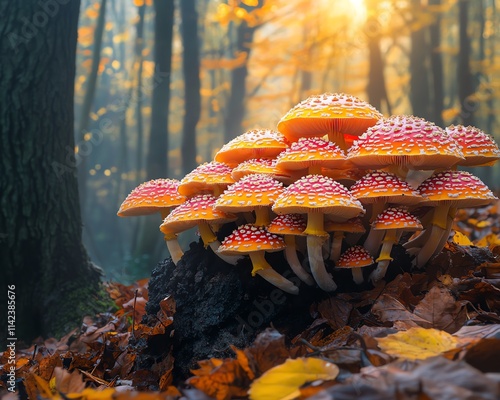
261, 267
419, 241
174, 248
293, 261
357, 275
373, 241
446, 233
437, 229
209, 239
317, 264
336, 247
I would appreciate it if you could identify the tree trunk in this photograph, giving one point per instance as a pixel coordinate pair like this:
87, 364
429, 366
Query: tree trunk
235, 109
191, 70
419, 84
437, 69
139, 46
465, 78
88, 101
41, 252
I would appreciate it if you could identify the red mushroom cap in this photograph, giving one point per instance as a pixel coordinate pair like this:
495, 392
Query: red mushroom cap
251, 191
477, 147
456, 189
150, 197
355, 257
396, 218
317, 193
192, 211
288, 224
329, 112
309, 152
212, 176
248, 239
405, 141
257, 143
381, 186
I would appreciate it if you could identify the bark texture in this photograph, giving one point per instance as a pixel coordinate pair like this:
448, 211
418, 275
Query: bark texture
40, 225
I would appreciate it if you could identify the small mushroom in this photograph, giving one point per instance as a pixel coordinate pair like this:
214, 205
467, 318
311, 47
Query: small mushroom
355, 258
353, 225
289, 226
156, 196
255, 241
212, 177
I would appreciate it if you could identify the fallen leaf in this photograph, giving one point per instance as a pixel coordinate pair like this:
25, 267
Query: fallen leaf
462, 240
67, 382
284, 381
417, 343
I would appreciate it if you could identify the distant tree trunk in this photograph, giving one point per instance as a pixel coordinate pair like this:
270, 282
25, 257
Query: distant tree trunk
376, 88
139, 47
88, 100
235, 109
490, 122
41, 252
191, 70
465, 78
157, 158
437, 69
419, 84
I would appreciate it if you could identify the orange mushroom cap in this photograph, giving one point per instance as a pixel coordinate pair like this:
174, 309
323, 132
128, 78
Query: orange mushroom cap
151, 197
192, 211
311, 152
212, 176
256, 143
248, 238
381, 186
353, 225
478, 147
396, 218
264, 166
456, 189
355, 257
251, 191
405, 141
288, 224
322, 114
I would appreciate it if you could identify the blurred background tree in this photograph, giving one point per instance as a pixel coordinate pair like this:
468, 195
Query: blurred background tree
177, 79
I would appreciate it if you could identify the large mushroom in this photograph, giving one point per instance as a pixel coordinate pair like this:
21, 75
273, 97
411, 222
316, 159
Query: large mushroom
317, 195
333, 114
405, 142
255, 241
199, 211
251, 193
393, 221
155, 196
446, 191
256, 143
289, 226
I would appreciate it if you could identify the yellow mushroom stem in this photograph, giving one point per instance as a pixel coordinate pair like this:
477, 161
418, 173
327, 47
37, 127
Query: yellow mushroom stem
261, 267
209, 239
262, 217
293, 260
383, 260
173, 247
446, 234
373, 241
315, 224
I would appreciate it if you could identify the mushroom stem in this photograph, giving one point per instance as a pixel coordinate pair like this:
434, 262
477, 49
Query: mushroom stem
377, 208
336, 247
262, 268
315, 224
373, 241
262, 216
338, 139
357, 275
293, 261
385, 258
446, 233
174, 248
317, 264
438, 228
209, 239
419, 241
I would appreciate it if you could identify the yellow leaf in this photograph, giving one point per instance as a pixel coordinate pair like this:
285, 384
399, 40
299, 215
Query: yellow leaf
283, 382
462, 240
488, 240
417, 343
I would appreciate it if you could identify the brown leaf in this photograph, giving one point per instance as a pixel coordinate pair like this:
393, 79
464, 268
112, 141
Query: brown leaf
387, 308
484, 355
336, 311
267, 351
68, 382
440, 311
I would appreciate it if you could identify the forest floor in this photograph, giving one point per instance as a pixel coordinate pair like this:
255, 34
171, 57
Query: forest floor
432, 334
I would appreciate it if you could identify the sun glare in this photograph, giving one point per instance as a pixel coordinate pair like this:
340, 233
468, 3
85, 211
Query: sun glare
359, 7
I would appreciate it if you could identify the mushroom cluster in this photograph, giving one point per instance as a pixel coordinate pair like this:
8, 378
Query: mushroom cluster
333, 169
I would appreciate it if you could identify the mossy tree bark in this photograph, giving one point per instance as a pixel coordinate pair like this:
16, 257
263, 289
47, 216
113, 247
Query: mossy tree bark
41, 252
